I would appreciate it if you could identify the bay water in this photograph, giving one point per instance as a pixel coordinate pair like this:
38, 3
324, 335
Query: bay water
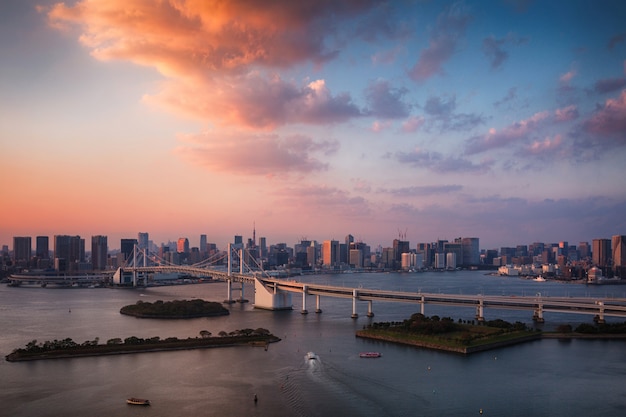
540, 378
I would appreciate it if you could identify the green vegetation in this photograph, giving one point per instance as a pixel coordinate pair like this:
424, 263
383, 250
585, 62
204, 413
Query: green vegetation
443, 333
177, 309
67, 348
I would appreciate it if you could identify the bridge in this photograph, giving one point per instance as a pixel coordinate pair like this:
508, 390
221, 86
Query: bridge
276, 294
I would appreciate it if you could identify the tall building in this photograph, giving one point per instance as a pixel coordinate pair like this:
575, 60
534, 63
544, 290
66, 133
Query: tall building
182, 246
22, 250
426, 250
399, 247
68, 251
584, 251
42, 250
143, 240
601, 252
263, 246
203, 244
127, 246
619, 253
471, 251
99, 252
330, 253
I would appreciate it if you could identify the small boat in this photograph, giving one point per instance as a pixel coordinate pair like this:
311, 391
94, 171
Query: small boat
311, 356
540, 279
370, 355
137, 401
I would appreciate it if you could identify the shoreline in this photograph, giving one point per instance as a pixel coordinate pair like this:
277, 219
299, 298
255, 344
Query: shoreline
183, 344
466, 350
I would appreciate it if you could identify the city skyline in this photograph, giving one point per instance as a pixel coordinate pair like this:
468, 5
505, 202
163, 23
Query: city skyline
501, 120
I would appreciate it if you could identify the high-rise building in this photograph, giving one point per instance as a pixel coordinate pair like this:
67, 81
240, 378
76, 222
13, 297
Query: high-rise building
143, 240
601, 252
619, 252
127, 246
182, 245
263, 246
399, 247
584, 251
68, 251
42, 250
426, 250
99, 252
471, 251
330, 253
22, 250
203, 244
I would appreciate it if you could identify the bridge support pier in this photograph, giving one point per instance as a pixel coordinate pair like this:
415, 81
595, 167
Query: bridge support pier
538, 315
479, 311
241, 297
422, 305
229, 290
304, 290
600, 317
355, 295
317, 304
370, 313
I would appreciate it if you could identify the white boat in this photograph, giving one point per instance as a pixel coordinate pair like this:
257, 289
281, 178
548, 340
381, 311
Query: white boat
540, 279
370, 355
311, 356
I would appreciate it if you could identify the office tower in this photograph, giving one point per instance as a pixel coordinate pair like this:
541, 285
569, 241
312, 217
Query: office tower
601, 252
68, 250
182, 246
471, 251
426, 250
203, 243
239, 240
619, 252
127, 246
143, 240
22, 250
99, 252
263, 246
330, 253
584, 250
311, 255
356, 258
399, 247
43, 249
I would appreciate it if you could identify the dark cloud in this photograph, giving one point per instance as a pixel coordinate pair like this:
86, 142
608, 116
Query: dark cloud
437, 162
617, 39
609, 85
385, 101
444, 117
510, 96
423, 190
495, 51
444, 38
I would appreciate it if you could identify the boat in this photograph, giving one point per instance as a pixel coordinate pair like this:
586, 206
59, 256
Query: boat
370, 354
137, 401
540, 279
311, 356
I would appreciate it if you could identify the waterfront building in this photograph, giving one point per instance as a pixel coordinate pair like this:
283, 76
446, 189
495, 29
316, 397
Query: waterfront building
426, 250
619, 255
451, 260
471, 251
440, 260
42, 250
356, 258
399, 247
330, 253
99, 252
601, 252
22, 250
68, 252
455, 248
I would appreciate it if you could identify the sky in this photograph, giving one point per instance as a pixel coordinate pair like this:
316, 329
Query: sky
421, 120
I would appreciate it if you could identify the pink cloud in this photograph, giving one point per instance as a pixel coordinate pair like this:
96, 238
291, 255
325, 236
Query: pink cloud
567, 77
565, 114
547, 145
610, 119
267, 154
512, 133
412, 124
444, 38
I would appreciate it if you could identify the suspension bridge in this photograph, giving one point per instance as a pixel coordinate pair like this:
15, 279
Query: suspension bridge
276, 294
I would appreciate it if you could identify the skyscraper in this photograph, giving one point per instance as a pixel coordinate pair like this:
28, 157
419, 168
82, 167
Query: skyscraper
330, 253
99, 252
619, 253
601, 252
203, 244
127, 246
42, 250
182, 245
471, 251
143, 240
22, 250
68, 250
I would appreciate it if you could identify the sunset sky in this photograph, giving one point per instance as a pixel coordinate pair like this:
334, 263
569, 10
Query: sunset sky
503, 120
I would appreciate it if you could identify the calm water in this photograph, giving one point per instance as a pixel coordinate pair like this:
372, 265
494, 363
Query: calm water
549, 377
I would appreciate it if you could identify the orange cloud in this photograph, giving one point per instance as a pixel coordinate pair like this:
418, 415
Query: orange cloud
217, 54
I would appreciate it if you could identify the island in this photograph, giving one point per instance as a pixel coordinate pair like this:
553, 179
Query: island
67, 348
467, 337
177, 309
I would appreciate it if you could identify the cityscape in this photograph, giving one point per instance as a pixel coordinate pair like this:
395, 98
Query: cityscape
602, 259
